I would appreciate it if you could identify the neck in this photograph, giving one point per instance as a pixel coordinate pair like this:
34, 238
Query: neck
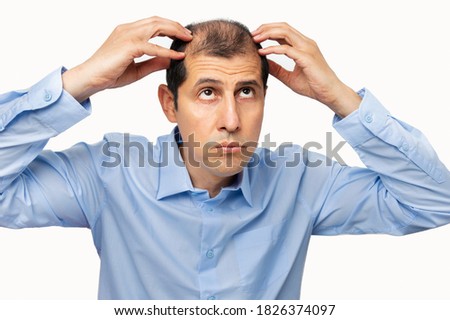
212, 184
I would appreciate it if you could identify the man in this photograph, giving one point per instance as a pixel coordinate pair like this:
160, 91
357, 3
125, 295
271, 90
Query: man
203, 214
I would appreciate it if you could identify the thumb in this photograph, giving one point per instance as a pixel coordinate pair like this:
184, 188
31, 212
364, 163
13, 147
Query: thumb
279, 72
147, 67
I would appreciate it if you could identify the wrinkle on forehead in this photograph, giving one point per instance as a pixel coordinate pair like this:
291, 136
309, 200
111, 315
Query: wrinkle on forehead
240, 64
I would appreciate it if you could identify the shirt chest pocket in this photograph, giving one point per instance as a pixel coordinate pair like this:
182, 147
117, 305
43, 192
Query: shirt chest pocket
262, 257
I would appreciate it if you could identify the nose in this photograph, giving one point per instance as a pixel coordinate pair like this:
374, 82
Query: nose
229, 119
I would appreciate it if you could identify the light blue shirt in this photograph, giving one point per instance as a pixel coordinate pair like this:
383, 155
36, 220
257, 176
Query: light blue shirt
158, 237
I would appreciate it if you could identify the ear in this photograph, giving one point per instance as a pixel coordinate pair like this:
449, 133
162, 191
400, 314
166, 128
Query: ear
166, 99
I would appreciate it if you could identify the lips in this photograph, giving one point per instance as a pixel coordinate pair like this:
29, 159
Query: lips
228, 147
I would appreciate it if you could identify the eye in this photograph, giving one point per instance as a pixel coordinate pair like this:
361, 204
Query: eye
246, 93
207, 94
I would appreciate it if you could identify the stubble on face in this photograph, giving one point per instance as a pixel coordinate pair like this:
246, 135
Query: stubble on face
220, 111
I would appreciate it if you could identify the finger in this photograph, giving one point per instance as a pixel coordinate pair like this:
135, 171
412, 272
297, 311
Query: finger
275, 25
266, 26
146, 29
280, 32
155, 50
147, 67
162, 21
279, 72
280, 35
174, 31
298, 56
157, 26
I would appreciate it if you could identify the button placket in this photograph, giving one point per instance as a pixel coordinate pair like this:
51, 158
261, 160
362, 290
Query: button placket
210, 254
210, 249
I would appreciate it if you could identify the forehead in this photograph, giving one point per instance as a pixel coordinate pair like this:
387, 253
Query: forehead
225, 69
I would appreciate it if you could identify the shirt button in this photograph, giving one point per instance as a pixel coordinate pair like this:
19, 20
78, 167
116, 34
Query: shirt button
47, 96
212, 298
210, 210
369, 118
405, 146
210, 254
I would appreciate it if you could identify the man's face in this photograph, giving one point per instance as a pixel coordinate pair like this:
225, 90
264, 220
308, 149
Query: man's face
220, 112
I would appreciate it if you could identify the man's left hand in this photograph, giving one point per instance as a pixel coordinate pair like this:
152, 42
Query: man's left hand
311, 77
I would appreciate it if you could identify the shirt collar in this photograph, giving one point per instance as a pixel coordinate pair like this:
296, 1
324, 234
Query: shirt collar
174, 177
243, 183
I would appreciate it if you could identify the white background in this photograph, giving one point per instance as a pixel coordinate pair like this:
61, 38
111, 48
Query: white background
398, 49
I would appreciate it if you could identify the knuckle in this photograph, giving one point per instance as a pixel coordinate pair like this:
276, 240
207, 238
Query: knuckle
155, 18
286, 48
120, 28
155, 29
152, 22
313, 47
151, 47
313, 43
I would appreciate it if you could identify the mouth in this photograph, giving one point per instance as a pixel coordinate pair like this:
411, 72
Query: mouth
228, 147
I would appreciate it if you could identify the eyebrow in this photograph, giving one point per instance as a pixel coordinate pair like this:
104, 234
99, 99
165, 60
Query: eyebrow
207, 80
215, 81
248, 83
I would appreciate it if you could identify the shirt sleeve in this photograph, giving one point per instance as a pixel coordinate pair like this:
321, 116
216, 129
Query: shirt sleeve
405, 187
30, 177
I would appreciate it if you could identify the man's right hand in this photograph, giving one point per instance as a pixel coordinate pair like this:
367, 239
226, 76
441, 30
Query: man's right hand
113, 65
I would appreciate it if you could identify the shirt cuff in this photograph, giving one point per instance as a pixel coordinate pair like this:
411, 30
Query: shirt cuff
50, 103
65, 110
363, 124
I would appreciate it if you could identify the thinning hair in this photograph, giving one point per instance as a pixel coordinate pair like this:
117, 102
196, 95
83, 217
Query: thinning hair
217, 38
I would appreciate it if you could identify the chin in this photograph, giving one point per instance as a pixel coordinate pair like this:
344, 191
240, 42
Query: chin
227, 171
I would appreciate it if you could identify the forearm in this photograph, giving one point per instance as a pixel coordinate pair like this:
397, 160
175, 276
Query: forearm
344, 101
404, 189
400, 154
29, 118
78, 84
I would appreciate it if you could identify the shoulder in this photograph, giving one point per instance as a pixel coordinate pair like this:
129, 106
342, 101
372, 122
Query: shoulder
128, 148
291, 162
